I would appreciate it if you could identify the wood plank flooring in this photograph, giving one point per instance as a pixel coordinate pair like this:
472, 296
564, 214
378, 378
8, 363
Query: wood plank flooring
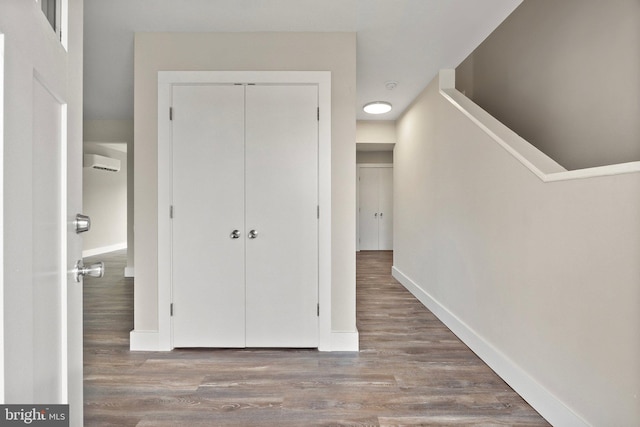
411, 370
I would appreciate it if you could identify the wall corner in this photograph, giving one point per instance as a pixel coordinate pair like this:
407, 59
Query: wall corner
447, 79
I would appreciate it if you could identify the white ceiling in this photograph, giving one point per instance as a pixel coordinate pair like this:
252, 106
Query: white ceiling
407, 41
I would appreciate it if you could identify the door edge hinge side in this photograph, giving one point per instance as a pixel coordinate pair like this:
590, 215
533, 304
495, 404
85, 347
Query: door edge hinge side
318, 211
170, 113
318, 110
318, 309
171, 309
171, 211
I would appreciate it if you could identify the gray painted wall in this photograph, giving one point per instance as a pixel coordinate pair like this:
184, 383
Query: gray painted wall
374, 157
335, 52
104, 199
541, 279
564, 75
117, 131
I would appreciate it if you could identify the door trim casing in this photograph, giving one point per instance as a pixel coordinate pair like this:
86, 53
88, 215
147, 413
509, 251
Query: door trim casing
162, 340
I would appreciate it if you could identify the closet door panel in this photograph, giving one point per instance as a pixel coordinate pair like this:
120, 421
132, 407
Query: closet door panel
385, 223
281, 206
208, 198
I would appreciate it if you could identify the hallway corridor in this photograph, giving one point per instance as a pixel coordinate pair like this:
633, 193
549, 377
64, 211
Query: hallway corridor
411, 370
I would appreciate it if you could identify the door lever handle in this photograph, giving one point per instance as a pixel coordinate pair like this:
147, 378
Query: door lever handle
253, 234
235, 234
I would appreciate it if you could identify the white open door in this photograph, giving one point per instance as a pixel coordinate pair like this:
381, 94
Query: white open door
42, 148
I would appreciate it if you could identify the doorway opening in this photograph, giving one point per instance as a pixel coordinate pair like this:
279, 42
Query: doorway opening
375, 207
104, 196
374, 196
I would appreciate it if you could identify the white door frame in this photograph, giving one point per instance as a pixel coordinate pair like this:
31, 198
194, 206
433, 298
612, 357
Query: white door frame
166, 79
364, 165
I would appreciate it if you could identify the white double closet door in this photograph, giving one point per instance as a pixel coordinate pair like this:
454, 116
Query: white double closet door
376, 208
245, 223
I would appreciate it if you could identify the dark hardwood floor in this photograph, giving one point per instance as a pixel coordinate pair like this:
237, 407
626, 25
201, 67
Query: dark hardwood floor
411, 370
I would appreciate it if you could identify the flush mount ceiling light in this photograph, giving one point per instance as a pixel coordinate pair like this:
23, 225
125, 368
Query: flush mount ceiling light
377, 107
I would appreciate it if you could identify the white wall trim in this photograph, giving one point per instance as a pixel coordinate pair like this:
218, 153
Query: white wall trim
541, 399
345, 341
129, 272
165, 81
144, 341
151, 341
541, 165
104, 249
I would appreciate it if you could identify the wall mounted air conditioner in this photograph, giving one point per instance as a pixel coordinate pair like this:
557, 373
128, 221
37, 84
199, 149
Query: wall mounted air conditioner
95, 161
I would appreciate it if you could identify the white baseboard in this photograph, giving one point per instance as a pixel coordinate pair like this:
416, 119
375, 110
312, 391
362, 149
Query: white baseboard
543, 401
150, 341
144, 341
104, 249
129, 272
345, 341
